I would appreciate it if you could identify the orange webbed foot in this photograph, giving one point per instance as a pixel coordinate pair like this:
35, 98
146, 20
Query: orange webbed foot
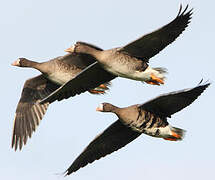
93, 91
155, 80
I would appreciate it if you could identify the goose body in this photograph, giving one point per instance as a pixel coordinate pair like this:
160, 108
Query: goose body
143, 121
149, 118
121, 64
62, 71
126, 66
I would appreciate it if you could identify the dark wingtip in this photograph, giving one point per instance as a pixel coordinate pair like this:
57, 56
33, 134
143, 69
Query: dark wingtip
185, 9
13, 146
200, 81
203, 85
206, 83
179, 12
16, 145
182, 13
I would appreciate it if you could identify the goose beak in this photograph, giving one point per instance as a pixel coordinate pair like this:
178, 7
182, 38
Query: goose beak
70, 49
99, 108
16, 63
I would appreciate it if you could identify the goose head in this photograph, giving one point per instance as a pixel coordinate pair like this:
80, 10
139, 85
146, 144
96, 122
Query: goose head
21, 62
106, 107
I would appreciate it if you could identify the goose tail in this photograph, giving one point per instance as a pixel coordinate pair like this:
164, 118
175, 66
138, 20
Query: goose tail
176, 134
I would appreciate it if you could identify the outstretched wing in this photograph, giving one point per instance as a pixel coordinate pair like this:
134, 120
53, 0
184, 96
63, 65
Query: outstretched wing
28, 113
168, 104
90, 78
113, 138
151, 44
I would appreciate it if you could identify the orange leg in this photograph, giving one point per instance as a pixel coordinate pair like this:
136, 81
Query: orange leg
175, 137
153, 83
156, 79
170, 139
96, 91
103, 86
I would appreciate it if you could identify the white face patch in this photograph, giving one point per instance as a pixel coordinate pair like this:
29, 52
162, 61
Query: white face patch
72, 48
16, 63
100, 107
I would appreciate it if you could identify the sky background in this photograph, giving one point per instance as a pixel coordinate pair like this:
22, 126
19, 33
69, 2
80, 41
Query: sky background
41, 30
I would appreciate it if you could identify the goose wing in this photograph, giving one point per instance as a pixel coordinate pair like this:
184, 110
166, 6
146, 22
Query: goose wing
29, 113
151, 44
168, 104
113, 138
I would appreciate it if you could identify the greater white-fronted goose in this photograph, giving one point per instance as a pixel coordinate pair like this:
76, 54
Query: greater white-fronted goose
54, 73
130, 61
149, 118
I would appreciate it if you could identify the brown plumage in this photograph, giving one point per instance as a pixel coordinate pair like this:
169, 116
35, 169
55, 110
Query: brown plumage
55, 72
129, 61
149, 118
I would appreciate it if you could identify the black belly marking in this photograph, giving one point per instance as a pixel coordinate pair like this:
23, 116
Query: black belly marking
146, 120
157, 133
154, 120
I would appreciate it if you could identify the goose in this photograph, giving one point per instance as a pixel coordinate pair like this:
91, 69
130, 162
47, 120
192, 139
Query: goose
129, 61
149, 118
55, 72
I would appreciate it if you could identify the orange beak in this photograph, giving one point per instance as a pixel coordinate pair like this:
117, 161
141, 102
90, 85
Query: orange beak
69, 50
15, 63
98, 109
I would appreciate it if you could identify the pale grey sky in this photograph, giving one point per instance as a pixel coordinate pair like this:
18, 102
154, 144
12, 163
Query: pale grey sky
41, 30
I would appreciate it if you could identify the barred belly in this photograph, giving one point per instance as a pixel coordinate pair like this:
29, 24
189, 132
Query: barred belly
148, 123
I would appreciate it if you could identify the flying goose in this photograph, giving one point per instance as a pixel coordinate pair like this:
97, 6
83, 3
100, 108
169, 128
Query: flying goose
55, 72
149, 118
129, 61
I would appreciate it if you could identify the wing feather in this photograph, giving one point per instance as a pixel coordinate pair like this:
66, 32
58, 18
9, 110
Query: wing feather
90, 78
151, 44
28, 113
168, 104
113, 138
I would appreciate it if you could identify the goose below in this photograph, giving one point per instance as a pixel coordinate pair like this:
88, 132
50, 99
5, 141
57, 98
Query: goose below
55, 72
149, 118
